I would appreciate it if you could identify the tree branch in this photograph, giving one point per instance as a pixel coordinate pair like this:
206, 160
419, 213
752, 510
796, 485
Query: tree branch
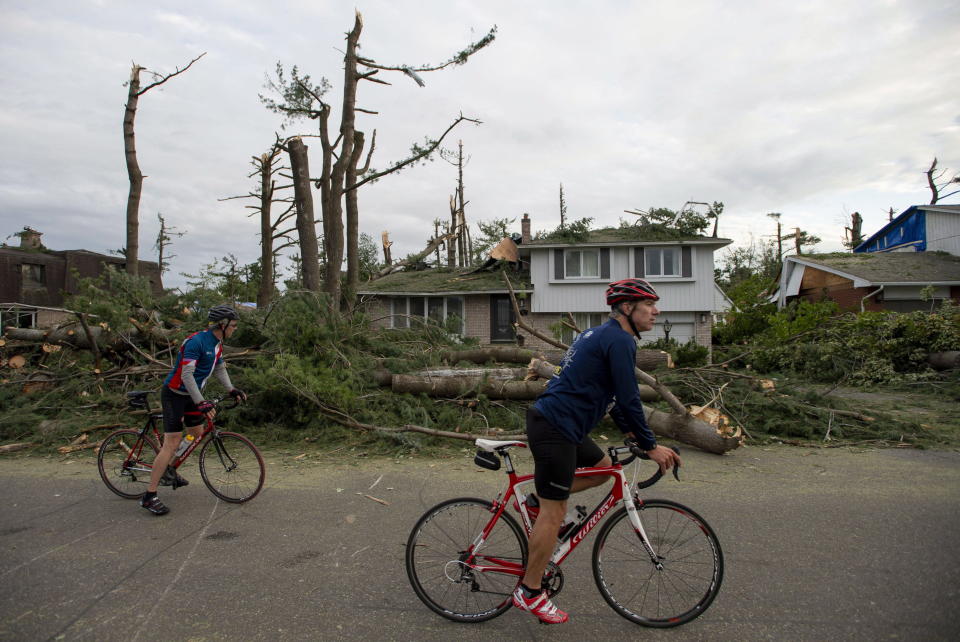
169, 76
423, 154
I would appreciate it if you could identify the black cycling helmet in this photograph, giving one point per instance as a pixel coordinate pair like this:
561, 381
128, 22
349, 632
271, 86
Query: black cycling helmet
222, 313
630, 290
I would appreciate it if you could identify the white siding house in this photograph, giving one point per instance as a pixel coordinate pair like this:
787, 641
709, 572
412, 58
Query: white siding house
572, 277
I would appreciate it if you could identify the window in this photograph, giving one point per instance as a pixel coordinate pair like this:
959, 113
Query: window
584, 264
18, 318
34, 275
438, 310
584, 321
662, 261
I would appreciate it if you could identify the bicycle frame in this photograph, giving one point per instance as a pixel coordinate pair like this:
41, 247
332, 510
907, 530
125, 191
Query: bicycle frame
151, 426
619, 493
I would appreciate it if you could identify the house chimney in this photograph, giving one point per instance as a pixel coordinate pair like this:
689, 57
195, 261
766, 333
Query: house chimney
30, 239
525, 229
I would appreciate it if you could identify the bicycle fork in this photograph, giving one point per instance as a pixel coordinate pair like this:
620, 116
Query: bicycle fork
634, 515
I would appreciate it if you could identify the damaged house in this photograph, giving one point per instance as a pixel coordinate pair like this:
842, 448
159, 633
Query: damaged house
34, 280
553, 277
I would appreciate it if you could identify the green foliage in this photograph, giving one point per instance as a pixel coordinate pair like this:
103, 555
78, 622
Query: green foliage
114, 296
797, 318
685, 355
225, 280
871, 347
575, 232
491, 233
294, 95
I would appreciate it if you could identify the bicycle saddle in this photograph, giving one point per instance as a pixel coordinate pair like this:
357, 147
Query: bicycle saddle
492, 444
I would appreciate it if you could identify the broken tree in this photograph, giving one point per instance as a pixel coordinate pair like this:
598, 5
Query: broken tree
341, 173
134, 174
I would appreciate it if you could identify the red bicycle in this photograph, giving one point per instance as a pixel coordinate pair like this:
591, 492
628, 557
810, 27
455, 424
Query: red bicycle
230, 465
656, 562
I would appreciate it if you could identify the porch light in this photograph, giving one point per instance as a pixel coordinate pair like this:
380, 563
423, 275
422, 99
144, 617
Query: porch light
667, 327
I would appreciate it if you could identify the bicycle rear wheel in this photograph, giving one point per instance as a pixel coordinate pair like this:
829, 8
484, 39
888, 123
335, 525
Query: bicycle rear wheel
125, 460
688, 550
231, 467
453, 582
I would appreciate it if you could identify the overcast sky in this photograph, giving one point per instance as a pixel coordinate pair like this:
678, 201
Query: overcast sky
814, 109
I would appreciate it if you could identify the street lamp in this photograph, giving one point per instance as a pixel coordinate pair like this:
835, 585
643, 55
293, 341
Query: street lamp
667, 327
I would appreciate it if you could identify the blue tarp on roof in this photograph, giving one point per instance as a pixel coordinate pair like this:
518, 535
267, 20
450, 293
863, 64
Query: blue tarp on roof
908, 229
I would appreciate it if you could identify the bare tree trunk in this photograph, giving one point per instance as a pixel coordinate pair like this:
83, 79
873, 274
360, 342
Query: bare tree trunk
385, 239
266, 291
934, 190
333, 209
353, 216
461, 216
133, 172
451, 247
133, 168
306, 224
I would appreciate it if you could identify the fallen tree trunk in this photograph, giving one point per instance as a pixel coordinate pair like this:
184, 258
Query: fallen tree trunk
944, 360
496, 374
9, 448
69, 337
504, 354
646, 359
690, 430
680, 424
546, 370
457, 386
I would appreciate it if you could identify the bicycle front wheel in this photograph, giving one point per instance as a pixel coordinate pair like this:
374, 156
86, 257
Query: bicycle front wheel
689, 555
231, 467
456, 582
125, 460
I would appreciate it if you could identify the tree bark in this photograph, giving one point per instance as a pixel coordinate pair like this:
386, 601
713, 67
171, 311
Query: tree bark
944, 360
333, 209
266, 290
504, 354
133, 168
692, 431
457, 386
306, 223
353, 216
134, 174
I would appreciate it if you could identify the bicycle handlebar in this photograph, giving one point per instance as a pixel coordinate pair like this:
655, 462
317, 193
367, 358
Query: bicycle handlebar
647, 483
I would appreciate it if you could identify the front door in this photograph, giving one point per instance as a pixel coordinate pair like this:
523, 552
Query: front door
501, 318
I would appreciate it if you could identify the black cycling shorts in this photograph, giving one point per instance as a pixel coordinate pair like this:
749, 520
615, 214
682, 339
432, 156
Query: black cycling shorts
556, 457
178, 410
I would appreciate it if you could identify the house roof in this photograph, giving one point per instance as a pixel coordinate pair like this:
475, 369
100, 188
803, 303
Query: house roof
629, 235
446, 281
888, 268
904, 215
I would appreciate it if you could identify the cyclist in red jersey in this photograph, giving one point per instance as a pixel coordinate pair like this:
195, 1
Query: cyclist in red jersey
596, 377
198, 358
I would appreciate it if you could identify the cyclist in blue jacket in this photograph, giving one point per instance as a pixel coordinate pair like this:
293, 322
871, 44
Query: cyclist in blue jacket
183, 404
596, 377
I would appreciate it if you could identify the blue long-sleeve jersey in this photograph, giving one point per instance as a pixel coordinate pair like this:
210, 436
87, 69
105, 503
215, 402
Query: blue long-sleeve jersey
596, 377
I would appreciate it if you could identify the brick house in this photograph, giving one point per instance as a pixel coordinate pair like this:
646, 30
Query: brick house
477, 304
895, 281
35, 280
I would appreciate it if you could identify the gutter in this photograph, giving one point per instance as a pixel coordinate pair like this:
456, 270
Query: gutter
863, 301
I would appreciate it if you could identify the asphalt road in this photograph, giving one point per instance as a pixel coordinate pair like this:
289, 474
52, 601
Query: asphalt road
819, 545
